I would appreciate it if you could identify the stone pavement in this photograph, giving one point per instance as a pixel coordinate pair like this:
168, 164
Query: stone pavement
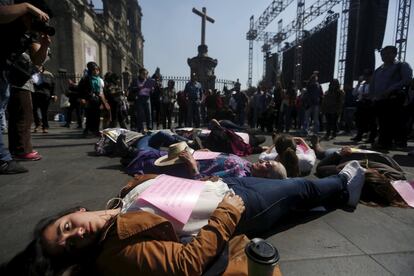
369, 241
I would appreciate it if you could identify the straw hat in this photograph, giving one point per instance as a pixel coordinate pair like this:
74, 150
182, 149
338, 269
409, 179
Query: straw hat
173, 152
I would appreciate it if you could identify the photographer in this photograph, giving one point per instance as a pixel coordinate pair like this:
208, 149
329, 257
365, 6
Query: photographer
24, 26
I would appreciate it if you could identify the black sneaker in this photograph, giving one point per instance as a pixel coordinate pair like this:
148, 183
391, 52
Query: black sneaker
122, 148
11, 167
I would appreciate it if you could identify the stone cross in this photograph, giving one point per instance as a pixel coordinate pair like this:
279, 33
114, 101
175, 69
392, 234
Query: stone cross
204, 17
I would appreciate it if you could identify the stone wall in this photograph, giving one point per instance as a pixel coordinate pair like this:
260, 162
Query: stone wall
111, 37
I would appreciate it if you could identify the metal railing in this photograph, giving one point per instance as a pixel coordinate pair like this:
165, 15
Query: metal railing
180, 82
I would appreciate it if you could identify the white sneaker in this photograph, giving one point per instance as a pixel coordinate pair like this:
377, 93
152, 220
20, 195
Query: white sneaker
355, 176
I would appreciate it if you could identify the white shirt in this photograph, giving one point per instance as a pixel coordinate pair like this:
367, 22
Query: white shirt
307, 158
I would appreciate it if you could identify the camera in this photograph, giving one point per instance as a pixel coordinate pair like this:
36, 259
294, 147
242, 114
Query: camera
43, 27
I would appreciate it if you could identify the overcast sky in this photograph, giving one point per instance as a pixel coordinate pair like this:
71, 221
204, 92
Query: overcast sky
172, 33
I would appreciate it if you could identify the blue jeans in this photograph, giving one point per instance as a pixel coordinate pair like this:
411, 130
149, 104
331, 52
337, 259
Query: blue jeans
313, 112
143, 112
157, 140
4, 97
267, 200
193, 115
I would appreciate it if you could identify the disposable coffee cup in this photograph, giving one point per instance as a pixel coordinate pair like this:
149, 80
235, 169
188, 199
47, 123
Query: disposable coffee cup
262, 257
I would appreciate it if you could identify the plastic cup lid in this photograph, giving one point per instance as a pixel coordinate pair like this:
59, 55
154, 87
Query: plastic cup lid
262, 251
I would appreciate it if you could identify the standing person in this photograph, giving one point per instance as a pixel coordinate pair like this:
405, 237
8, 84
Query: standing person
168, 97
14, 23
311, 102
241, 104
365, 113
291, 95
349, 109
71, 91
113, 93
265, 118
156, 99
332, 103
386, 92
182, 109
91, 90
140, 90
278, 98
44, 92
24, 47
193, 92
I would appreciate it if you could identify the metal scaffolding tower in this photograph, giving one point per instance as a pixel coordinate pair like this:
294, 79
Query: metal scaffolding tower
270, 39
300, 14
251, 36
403, 22
256, 29
266, 52
343, 40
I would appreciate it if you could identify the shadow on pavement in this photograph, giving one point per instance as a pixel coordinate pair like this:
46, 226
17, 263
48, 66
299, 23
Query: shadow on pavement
112, 167
294, 219
64, 146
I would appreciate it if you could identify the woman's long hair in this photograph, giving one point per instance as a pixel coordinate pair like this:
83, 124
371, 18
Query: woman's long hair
378, 190
286, 149
34, 260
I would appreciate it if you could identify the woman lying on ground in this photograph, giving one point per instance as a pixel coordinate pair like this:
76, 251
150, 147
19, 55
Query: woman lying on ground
179, 161
220, 138
137, 238
293, 152
381, 168
332, 160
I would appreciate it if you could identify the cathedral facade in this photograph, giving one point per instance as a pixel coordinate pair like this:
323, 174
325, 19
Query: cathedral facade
110, 36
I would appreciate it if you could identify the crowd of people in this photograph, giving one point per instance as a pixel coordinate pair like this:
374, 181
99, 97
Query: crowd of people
237, 199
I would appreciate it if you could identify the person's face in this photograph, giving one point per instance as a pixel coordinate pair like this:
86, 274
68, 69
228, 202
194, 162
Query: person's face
388, 56
73, 232
143, 75
95, 71
263, 168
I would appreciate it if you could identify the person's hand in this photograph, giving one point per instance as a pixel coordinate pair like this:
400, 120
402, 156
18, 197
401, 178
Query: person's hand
234, 200
44, 40
213, 178
39, 14
299, 140
83, 102
54, 98
345, 151
189, 160
187, 157
107, 106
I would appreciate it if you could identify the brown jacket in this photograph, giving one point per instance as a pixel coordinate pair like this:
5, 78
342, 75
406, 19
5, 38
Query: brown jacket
140, 243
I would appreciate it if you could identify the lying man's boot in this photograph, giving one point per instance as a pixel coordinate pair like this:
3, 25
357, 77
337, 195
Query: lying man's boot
122, 148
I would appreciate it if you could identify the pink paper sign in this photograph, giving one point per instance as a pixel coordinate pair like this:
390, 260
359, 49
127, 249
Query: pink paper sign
405, 189
205, 155
174, 196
